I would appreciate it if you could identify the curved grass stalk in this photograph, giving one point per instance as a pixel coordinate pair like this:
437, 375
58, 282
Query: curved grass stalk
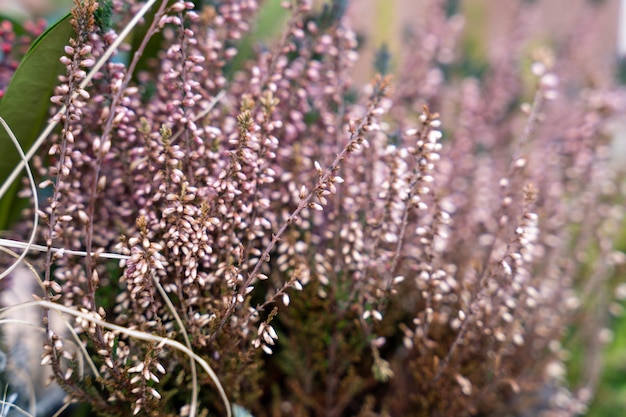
9, 243
192, 363
162, 341
79, 345
70, 328
9, 406
61, 410
33, 187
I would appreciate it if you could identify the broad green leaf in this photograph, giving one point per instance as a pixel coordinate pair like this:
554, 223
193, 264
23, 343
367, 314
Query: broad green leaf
26, 102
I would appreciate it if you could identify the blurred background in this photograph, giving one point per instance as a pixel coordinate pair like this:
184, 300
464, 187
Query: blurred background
486, 21
597, 59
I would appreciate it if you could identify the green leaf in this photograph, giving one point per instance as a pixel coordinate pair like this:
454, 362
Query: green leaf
26, 102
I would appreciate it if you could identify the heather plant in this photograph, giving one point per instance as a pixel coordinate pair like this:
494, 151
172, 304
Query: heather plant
268, 238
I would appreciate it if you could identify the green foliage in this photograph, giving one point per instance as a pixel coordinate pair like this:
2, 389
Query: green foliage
332, 13
621, 70
104, 14
382, 61
610, 399
452, 7
322, 350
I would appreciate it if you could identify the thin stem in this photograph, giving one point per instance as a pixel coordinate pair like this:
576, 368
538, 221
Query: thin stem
531, 122
8, 243
321, 183
194, 376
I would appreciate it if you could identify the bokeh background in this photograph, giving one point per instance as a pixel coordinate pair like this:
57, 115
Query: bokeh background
486, 21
